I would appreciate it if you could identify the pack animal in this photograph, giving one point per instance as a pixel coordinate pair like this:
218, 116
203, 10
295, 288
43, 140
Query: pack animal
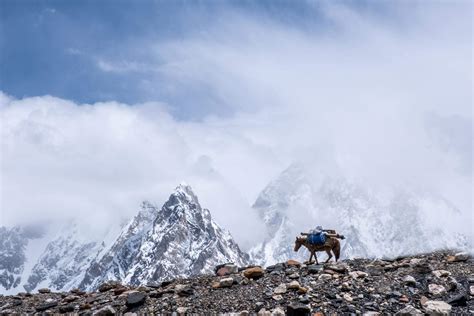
332, 244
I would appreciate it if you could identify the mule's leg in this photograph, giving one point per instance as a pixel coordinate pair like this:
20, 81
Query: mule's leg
316, 257
329, 255
310, 257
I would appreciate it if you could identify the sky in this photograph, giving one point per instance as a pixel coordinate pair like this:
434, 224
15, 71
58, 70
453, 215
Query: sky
107, 103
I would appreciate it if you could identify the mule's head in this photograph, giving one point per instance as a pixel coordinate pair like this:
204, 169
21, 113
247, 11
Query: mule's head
298, 243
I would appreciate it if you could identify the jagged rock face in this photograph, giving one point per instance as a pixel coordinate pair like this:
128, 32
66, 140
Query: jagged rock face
375, 226
12, 256
179, 240
62, 263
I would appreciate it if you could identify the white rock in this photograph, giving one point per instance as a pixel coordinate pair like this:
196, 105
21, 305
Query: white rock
409, 280
347, 297
436, 289
371, 313
471, 290
358, 274
293, 285
264, 312
226, 282
437, 308
278, 312
181, 310
325, 277
409, 310
280, 289
441, 273
277, 297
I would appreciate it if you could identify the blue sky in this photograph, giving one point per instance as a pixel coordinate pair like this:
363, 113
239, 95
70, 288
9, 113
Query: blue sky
56, 47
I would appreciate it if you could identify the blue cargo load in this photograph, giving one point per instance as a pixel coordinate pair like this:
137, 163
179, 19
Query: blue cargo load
317, 239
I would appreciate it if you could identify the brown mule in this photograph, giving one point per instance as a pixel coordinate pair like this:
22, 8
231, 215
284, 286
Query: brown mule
330, 244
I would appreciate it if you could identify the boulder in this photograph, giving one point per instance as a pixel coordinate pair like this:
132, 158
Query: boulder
253, 273
409, 310
460, 256
315, 268
49, 303
226, 282
409, 280
293, 263
325, 277
436, 289
358, 274
441, 273
337, 267
105, 311
278, 312
293, 285
280, 289
437, 308
44, 291
297, 309
135, 299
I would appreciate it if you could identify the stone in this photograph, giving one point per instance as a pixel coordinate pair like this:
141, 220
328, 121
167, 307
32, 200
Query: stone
315, 268
293, 285
437, 308
337, 267
275, 267
423, 300
371, 313
44, 291
46, 305
135, 299
264, 312
183, 290
104, 287
409, 280
404, 299
253, 273
409, 310
280, 289
471, 290
105, 311
293, 263
325, 277
181, 310
436, 289
297, 309
441, 273
358, 274
422, 268
223, 271
302, 290
458, 257
294, 276
66, 308
458, 300
277, 297
347, 297
278, 312
226, 282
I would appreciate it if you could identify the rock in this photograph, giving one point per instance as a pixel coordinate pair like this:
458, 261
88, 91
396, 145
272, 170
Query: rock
302, 290
315, 268
275, 267
458, 300
371, 313
181, 310
104, 287
436, 289
66, 308
409, 310
304, 299
105, 311
253, 273
293, 263
277, 297
294, 276
409, 280
226, 282
437, 308
46, 305
226, 269
280, 289
471, 290
278, 312
337, 267
404, 299
441, 273
358, 274
264, 312
135, 299
423, 300
44, 291
422, 268
347, 297
460, 256
297, 309
325, 277
183, 290
293, 285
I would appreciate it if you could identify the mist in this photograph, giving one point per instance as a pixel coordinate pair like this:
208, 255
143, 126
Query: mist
385, 100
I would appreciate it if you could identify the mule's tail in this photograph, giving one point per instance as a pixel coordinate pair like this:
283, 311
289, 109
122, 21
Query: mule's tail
337, 249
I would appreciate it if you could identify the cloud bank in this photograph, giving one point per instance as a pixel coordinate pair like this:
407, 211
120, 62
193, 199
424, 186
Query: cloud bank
386, 99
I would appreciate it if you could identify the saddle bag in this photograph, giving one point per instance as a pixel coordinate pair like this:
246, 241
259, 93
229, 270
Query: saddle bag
317, 239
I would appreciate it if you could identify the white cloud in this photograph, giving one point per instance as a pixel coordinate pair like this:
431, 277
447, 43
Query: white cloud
360, 93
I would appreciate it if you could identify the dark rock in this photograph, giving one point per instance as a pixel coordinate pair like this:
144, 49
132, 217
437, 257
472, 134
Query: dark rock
135, 299
297, 309
315, 268
47, 305
44, 291
66, 308
458, 300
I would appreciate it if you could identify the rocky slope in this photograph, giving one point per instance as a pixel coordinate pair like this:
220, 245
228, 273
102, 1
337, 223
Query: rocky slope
378, 223
438, 283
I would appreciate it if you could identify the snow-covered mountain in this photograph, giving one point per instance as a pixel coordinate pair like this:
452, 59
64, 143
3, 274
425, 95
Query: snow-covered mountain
178, 240
375, 223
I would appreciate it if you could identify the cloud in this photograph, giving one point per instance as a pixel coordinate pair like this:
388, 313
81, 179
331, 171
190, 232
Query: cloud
387, 99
